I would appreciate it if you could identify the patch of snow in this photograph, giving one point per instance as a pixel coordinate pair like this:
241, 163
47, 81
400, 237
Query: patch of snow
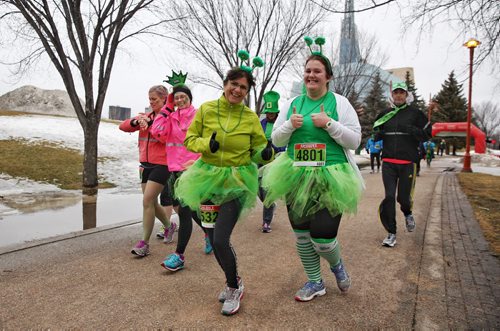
119, 148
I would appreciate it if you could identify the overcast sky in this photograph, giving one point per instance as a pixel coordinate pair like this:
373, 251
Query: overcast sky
432, 60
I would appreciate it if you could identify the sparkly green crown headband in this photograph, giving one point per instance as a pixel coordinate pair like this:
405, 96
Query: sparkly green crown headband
244, 56
176, 79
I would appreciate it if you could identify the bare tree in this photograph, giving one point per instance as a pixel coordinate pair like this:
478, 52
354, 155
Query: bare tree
479, 18
217, 29
81, 40
486, 115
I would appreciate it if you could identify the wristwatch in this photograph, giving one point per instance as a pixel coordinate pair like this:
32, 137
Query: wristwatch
329, 124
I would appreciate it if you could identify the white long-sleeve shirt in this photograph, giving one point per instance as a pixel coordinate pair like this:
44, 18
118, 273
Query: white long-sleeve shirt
346, 131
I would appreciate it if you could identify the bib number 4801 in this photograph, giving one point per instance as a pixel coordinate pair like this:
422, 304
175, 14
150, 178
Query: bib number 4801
309, 155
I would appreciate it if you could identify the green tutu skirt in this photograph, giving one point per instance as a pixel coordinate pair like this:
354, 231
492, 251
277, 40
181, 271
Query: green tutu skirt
307, 190
204, 182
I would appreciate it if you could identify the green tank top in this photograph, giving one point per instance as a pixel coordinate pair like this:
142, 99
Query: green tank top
309, 144
269, 130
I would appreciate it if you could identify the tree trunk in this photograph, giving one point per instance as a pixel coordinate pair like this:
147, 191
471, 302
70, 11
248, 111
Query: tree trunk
90, 179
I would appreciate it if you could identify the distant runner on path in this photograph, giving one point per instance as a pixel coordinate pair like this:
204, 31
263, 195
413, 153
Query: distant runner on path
401, 127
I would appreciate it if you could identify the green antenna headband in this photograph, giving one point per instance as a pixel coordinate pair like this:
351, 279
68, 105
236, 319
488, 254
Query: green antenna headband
245, 57
320, 41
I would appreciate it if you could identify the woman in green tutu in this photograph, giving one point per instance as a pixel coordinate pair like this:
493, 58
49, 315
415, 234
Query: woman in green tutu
317, 176
223, 182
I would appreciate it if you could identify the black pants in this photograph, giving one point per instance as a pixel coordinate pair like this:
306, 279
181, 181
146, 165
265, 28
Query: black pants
186, 228
267, 213
400, 178
373, 157
320, 225
219, 237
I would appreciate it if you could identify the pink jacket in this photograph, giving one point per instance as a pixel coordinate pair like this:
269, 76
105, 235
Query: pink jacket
171, 128
151, 149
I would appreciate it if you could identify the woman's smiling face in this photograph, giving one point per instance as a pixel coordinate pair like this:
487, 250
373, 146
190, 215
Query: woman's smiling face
315, 77
236, 90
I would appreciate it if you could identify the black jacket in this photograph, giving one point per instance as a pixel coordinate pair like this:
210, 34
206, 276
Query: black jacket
403, 133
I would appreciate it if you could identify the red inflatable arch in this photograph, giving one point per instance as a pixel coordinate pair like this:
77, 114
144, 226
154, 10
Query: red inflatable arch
459, 129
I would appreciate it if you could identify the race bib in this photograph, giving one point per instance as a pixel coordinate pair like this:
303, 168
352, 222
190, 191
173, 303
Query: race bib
209, 215
309, 155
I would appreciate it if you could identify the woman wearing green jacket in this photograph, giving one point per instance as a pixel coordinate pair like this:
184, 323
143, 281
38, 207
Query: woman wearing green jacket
223, 182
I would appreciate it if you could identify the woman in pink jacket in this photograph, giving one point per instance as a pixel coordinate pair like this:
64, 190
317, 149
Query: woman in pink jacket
171, 127
153, 169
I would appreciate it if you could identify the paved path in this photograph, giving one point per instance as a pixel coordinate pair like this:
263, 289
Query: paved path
441, 276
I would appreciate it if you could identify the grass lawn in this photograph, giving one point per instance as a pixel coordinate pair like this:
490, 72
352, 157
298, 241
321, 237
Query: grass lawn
43, 162
483, 192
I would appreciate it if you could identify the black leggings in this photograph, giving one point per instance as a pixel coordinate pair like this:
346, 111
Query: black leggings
320, 225
186, 228
373, 157
219, 237
400, 179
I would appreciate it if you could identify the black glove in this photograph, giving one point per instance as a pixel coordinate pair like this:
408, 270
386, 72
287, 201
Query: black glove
267, 153
214, 144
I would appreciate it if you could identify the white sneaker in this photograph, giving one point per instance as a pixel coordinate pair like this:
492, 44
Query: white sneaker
390, 241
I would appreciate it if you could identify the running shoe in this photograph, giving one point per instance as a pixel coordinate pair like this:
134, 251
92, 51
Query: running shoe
310, 290
168, 234
410, 223
224, 293
266, 228
161, 234
232, 303
173, 262
390, 241
343, 279
141, 249
208, 247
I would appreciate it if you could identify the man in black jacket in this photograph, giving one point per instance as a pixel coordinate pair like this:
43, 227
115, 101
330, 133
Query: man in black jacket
401, 127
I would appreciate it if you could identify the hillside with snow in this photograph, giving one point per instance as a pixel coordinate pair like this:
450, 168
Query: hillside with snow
39, 101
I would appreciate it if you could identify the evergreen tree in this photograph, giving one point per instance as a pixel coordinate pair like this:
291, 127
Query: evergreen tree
417, 102
374, 103
452, 107
452, 104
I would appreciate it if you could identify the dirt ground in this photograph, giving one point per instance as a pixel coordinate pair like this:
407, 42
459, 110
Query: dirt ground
93, 282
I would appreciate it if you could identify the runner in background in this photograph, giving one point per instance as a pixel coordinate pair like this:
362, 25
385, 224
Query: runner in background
271, 110
153, 168
402, 127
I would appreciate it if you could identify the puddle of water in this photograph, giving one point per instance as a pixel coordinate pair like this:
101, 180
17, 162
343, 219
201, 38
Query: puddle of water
109, 208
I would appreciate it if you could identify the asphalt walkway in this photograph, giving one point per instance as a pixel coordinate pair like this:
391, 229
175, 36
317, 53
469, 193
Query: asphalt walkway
442, 276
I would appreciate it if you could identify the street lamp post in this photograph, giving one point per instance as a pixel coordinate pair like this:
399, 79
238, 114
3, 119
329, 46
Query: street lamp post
470, 44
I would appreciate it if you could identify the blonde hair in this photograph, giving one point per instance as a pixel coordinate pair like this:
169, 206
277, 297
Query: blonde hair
160, 90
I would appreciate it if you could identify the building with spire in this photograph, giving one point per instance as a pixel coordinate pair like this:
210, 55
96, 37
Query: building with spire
352, 72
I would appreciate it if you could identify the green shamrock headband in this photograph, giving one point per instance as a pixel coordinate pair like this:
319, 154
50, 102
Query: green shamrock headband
177, 79
320, 41
245, 56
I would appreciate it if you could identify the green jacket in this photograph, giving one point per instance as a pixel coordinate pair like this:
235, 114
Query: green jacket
239, 134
